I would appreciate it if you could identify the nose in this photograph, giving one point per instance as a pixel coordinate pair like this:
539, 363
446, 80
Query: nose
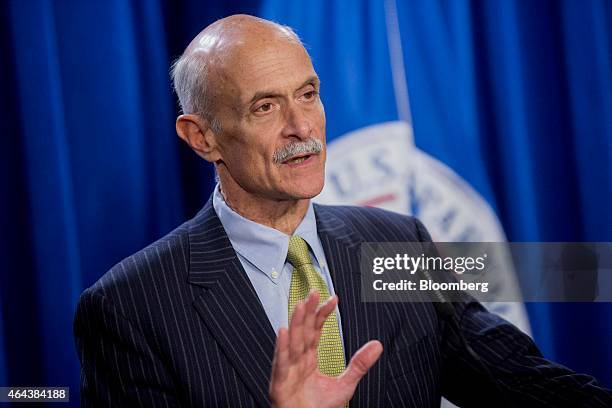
297, 123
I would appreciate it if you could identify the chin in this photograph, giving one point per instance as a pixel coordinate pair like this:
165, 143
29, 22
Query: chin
307, 189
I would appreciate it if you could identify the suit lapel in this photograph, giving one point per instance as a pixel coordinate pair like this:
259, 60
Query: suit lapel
229, 305
361, 322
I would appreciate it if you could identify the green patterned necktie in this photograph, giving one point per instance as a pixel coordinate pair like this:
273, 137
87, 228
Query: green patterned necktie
330, 357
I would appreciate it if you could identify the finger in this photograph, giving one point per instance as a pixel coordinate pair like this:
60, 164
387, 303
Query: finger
296, 329
361, 362
325, 310
323, 313
309, 361
312, 302
280, 363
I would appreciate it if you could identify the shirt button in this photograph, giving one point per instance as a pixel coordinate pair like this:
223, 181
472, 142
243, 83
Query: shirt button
274, 274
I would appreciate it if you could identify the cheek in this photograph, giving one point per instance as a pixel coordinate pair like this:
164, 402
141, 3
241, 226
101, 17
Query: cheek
242, 158
322, 111
320, 120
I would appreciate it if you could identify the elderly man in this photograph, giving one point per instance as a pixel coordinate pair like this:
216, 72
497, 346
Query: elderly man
199, 318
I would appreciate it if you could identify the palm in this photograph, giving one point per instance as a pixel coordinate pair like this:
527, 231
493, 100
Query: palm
310, 388
296, 381
323, 391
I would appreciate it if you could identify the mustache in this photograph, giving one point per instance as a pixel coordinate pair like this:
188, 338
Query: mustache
310, 146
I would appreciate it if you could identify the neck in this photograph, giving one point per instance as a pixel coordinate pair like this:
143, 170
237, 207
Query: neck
282, 215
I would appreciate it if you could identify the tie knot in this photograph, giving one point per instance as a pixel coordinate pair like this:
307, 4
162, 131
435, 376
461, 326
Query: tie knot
298, 254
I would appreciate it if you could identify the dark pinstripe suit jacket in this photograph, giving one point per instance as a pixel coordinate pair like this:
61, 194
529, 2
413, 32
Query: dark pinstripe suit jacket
179, 324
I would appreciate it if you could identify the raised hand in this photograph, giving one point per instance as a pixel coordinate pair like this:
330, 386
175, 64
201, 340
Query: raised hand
296, 381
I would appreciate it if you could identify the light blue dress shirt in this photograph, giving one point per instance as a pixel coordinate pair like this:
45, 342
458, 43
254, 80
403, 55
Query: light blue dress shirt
263, 251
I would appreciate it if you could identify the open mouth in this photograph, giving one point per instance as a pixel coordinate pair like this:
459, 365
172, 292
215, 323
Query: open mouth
298, 159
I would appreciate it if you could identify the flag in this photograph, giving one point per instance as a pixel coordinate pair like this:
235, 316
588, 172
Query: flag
373, 159
3, 365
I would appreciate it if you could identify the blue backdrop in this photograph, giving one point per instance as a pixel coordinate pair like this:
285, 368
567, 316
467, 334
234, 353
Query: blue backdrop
515, 96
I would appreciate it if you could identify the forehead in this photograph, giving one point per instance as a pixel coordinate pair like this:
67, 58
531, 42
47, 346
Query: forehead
274, 65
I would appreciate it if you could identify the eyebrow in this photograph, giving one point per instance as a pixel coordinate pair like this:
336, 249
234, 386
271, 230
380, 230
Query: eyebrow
313, 80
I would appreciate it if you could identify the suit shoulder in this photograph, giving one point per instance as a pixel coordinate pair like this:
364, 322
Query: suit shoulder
163, 259
379, 223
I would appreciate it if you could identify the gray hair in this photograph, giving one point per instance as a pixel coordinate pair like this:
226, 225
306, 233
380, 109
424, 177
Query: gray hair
190, 77
309, 146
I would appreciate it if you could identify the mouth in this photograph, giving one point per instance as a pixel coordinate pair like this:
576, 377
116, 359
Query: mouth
299, 160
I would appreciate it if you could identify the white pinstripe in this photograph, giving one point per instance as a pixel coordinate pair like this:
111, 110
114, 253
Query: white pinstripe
166, 327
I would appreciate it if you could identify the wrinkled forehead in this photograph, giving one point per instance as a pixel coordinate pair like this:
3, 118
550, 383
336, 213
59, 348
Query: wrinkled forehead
264, 63
260, 55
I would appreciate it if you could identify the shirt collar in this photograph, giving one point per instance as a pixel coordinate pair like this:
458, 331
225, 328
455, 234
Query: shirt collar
262, 246
308, 230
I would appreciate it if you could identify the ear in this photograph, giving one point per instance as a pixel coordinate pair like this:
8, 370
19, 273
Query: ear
197, 133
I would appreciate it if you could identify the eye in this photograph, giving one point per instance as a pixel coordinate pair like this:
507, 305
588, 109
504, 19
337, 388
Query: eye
264, 108
310, 95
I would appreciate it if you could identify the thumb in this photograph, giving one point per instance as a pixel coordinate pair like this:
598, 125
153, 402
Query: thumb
361, 362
